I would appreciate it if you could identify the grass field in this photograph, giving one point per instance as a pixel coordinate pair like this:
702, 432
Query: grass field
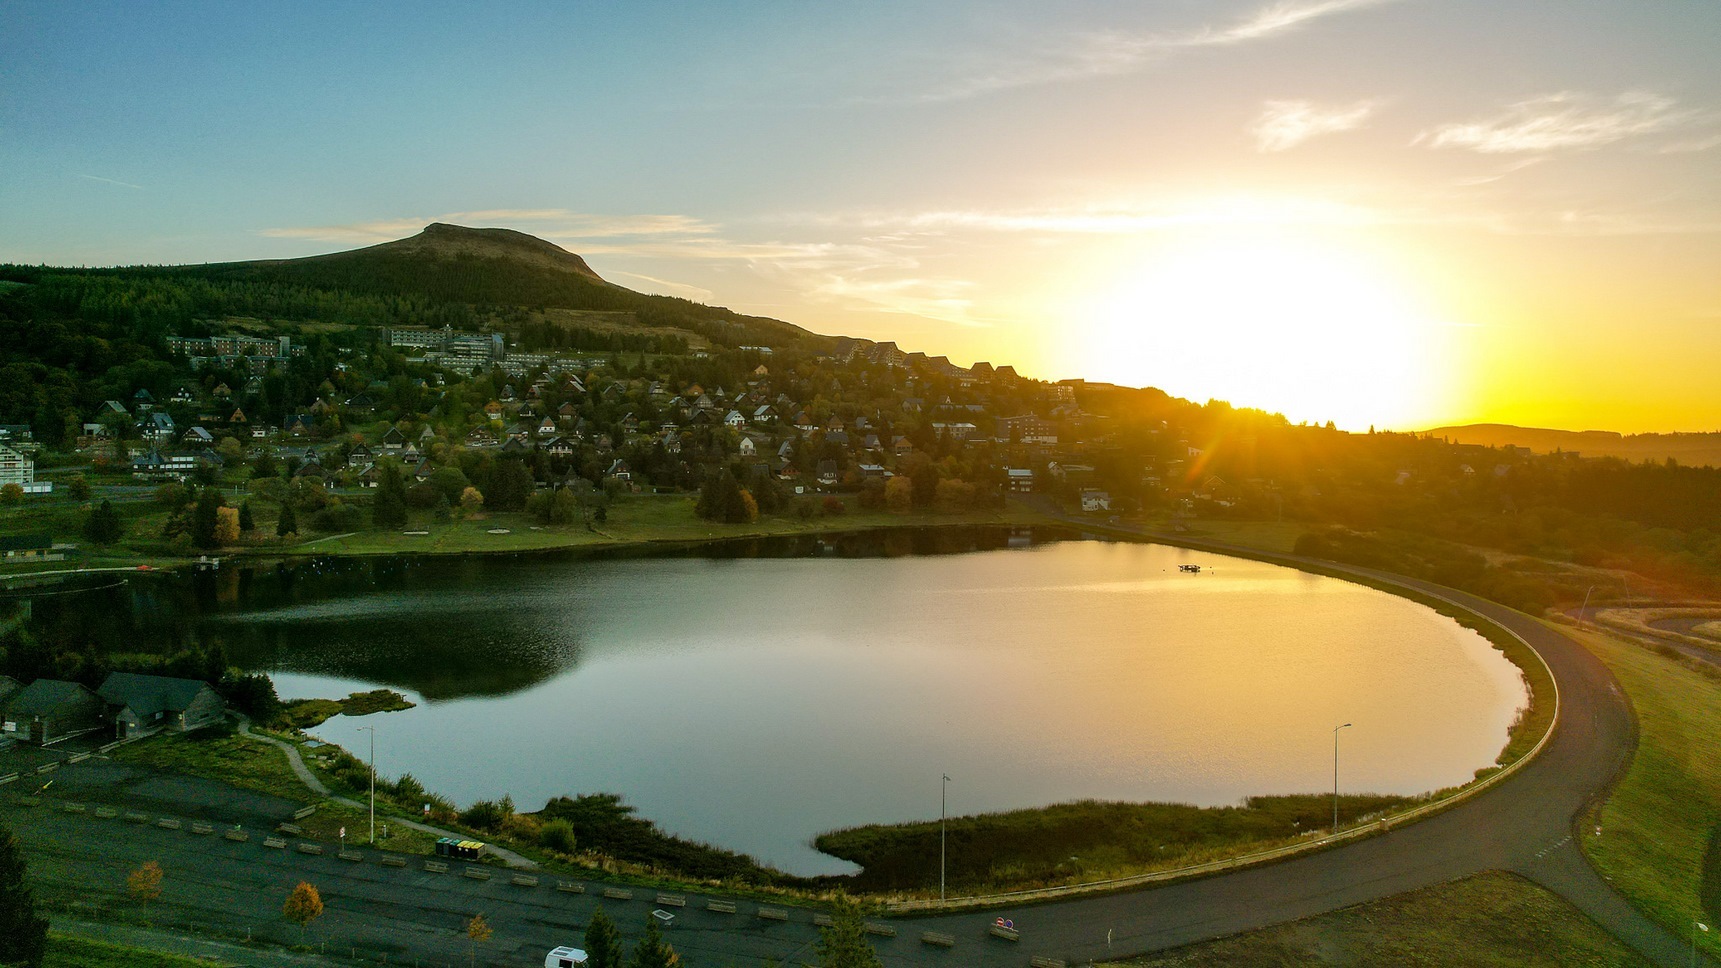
632, 520
235, 759
1659, 821
67, 951
1492, 919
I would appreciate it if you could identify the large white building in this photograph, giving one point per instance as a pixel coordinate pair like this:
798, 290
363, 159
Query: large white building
16, 468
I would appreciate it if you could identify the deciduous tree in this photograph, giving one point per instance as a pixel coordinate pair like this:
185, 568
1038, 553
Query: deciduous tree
303, 906
145, 882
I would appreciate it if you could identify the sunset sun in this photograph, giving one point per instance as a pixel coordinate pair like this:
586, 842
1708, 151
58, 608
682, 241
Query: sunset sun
1294, 325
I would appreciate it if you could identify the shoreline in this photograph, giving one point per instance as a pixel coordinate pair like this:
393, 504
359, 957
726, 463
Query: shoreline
1526, 737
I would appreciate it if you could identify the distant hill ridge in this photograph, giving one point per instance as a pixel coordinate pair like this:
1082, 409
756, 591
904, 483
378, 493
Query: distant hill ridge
440, 240
1694, 449
497, 267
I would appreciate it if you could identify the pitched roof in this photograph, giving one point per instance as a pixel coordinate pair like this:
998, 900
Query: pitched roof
44, 697
146, 695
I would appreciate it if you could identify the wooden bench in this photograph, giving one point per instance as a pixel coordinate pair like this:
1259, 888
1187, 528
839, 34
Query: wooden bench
476, 873
882, 930
394, 862
168, 823
523, 880
275, 843
305, 848
937, 938
823, 920
1041, 961
773, 914
291, 829
136, 818
570, 887
351, 855
73, 808
202, 829
436, 867
671, 900
617, 894
1008, 934
721, 907
238, 836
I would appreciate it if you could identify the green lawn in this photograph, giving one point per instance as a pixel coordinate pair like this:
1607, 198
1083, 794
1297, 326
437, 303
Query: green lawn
1657, 824
241, 761
67, 951
1492, 919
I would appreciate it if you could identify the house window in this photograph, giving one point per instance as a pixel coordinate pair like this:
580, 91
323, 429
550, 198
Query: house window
11, 727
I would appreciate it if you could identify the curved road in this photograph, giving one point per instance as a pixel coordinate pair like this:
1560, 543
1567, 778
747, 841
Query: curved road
1523, 824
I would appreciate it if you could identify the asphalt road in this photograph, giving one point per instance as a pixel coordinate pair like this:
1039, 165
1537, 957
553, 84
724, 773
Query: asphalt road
1524, 824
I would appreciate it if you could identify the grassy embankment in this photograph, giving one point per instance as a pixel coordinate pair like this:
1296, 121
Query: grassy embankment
1660, 825
1491, 919
70, 951
639, 519
1071, 843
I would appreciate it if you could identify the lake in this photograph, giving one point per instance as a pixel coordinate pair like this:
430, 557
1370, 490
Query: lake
754, 695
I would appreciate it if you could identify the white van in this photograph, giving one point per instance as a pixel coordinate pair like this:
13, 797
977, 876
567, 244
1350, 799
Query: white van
564, 958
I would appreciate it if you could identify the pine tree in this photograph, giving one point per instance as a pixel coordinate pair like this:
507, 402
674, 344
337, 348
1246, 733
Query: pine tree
844, 944
652, 951
23, 934
104, 525
247, 523
603, 942
205, 517
389, 509
287, 523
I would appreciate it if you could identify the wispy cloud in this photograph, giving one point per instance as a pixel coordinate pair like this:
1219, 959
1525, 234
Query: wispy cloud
1108, 219
1566, 120
1112, 53
1285, 124
665, 286
111, 181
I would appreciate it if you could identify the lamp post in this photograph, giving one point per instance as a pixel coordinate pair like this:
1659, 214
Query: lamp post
1336, 776
372, 731
943, 791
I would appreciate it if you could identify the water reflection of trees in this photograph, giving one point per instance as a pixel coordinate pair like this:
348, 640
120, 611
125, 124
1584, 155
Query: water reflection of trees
365, 618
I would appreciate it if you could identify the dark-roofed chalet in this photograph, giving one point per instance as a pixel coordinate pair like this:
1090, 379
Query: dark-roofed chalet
48, 710
143, 704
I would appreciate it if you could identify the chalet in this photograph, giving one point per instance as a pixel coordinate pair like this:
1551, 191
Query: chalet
422, 472
734, 421
394, 440
140, 705
1019, 479
198, 437
26, 547
871, 442
368, 476
360, 456
493, 410
901, 446
515, 445
427, 436
838, 437
16, 467
1096, 501
748, 448
619, 471
786, 450
872, 472
410, 455
48, 711
222, 391
567, 411
158, 426
111, 406
828, 472
300, 423
559, 447
143, 401
546, 427
237, 417
764, 414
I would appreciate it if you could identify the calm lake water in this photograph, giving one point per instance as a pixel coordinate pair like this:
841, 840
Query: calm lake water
757, 698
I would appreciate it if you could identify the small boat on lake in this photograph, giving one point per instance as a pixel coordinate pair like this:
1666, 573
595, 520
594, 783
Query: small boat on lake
1192, 569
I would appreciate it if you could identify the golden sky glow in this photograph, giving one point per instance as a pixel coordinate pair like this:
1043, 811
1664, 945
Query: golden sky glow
1393, 212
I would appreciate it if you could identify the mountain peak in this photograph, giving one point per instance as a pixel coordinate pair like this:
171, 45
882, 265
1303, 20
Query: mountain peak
444, 241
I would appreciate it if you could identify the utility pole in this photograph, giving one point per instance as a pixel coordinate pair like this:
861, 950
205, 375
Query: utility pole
1336, 776
372, 731
943, 789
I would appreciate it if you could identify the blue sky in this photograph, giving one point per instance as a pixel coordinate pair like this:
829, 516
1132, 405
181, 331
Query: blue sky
1478, 184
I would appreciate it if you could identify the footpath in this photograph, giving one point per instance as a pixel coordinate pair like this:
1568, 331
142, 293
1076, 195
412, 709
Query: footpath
318, 787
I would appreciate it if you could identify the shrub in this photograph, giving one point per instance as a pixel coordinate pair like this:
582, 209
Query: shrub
558, 835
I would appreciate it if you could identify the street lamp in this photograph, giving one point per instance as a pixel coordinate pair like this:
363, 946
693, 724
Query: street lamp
943, 791
1336, 776
372, 731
